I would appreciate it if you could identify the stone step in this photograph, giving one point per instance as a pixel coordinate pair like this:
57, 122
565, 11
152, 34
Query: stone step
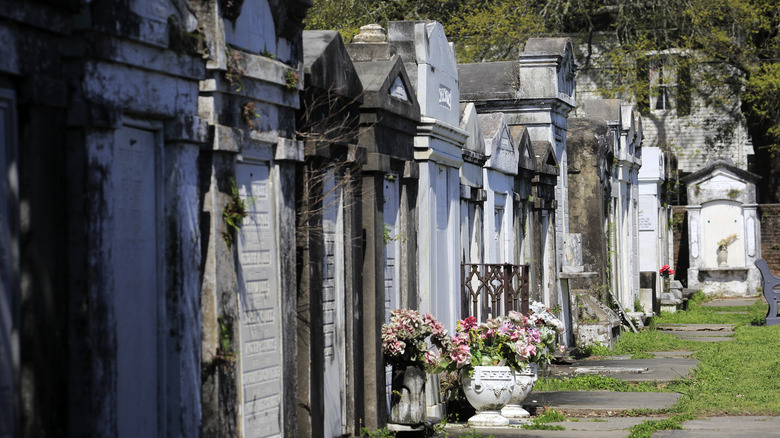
629, 370
589, 403
699, 333
696, 327
706, 338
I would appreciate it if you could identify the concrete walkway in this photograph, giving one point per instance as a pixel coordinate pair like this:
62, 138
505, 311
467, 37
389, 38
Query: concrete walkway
733, 302
598, 403
593, 414
700, 332
662, 369
723, 427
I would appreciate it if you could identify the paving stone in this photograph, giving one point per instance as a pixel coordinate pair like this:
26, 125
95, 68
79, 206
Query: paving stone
717, 427
729, 302
629, 370
606, 427
712, 334
696, 327
705, 338
600, 402
671, 354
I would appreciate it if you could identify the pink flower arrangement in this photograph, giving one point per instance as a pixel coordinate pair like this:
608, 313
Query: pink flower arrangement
404, 340
514, 340
666, 271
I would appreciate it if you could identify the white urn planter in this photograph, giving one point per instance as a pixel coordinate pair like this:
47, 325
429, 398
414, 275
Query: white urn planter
524, 384
723, 257
488, 391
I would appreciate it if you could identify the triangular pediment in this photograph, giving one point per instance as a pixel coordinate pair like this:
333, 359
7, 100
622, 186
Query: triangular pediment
398, 90
469, 122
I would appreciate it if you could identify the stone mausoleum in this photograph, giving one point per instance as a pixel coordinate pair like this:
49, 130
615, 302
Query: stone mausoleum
725, 234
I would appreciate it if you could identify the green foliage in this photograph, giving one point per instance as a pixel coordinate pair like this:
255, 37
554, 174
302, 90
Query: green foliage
732, 378
594, 349
474, 434
646, 429
347, 16
698, 314
291, 79
723, 52
593, 383
379, 433
762, 93
234, 71
549, 416
494, 30
542, 426
233, 213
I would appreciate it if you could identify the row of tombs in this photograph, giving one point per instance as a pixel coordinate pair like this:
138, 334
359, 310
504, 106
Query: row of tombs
447, 177
246, 210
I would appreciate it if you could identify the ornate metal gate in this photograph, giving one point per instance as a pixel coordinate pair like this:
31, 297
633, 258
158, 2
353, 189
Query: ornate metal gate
490, 290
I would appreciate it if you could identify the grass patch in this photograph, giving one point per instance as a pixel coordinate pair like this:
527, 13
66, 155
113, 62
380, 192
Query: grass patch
594, 383
549, 416
650, 340
736, 377
534, 426
474, 434
698, 314
646, 429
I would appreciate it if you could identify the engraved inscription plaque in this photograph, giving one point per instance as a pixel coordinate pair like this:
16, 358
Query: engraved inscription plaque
647, 215
259, 304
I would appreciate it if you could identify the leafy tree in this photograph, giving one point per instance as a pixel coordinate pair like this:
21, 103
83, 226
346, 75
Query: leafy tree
726, 52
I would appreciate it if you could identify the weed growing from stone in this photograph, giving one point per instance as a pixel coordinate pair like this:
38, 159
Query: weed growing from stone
646, 429
549, 416
474, 434
379, 433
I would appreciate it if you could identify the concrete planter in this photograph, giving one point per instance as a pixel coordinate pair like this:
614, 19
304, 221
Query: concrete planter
524, 384
489, 390
407, 403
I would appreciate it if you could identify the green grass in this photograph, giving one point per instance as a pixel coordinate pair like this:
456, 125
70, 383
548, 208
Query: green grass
738, 377
549, 416
593, 383
474, 434
698, 314
646, 429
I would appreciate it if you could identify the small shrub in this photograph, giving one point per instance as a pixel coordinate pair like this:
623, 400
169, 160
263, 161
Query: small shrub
540, 422
379, 433
646, 429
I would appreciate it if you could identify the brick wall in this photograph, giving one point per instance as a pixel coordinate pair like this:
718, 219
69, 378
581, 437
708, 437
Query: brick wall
769, 216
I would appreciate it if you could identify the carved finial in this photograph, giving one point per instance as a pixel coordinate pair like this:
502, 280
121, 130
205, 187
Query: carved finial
371, 33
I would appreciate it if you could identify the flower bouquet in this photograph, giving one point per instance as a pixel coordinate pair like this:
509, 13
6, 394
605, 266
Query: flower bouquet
488, 355
666, 271
405, 348
404, 340
515, 341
